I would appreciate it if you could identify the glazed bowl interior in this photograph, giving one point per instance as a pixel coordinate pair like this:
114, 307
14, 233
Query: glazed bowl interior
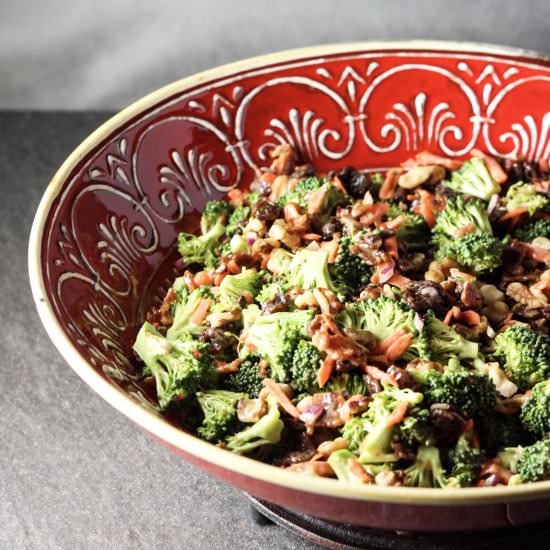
102, 244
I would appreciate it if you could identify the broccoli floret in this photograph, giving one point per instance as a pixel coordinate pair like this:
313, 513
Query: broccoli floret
277, 287
180, 367
509, 458
532, 230
525, 355
213, 212
524, 195
465, 462
445, 343
183, 308
309, 269
237, 220
220, 414
355, 430
473, 178
299, 194
275, 337
267, 431
348, 383
414, 231
497, 431
232, 287
247, 379
376, 446
535, 412
534, 462
470, 391
201, 249
478, 251
416, 430
339, 461
305, 365
457, 215
427, 470
349, 272
383, 317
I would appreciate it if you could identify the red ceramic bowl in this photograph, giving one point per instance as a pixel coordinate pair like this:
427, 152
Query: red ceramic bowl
101, 248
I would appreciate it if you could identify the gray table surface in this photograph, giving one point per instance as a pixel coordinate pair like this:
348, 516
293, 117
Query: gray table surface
75, 473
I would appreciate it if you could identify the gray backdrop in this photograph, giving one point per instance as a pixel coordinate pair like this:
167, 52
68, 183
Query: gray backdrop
103, 54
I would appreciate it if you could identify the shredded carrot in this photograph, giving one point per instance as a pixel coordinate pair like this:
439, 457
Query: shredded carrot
331, 248
390, 245
449, 316
218, 278
465, 230
494, 168
470, 317
202, 278
513, 214
399, 347
315, 200
469, 425
379, 374
384, 345
388, 187
425, 158
268, 177
425, 207
400, 281
281, 397
463, 275
233, 267
199, 315
355, 468
312, 237
398, 414
325, 371
234, 194
339, 185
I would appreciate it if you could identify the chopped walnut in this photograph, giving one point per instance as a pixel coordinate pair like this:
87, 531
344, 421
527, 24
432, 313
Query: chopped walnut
527, 296
439, 271
387, 478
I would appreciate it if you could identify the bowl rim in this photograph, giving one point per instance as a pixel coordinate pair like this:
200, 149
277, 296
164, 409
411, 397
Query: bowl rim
156, 425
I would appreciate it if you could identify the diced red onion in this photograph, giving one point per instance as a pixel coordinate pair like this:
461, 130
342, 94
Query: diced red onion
546, 308
492, 481
312, 413
251, 240
180, 265
418, 321
386, 274
493, 203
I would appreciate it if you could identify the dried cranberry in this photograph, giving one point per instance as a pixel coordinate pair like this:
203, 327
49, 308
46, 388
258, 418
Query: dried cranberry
266, 210
356, 183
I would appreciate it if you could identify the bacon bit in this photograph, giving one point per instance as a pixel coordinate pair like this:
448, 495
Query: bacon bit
199, 315
470, 317
311, 237
227, 368
470, 228
358, 471
386, 343
312, 467
218, 278
390, 245
395, 223
331, 248
494, 168
202, 278
537, 253
315, 200
379, 374
469, 425
400, 281
281, 397
388, 187
493, 468
399, 347
398, 414
425, 158
325, 371
513, 214
425, 208
234, 194
262, 367
338, 184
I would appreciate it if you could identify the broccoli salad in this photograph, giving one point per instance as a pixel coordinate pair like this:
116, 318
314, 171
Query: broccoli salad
379, 328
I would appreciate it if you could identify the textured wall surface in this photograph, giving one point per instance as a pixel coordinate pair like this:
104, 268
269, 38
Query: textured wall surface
105, 54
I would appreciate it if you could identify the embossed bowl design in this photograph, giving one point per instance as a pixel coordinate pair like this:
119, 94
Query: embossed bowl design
102, 244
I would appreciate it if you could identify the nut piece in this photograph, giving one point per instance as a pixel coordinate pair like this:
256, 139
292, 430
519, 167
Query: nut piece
439, 271
496, 312
526, 296
387, 478
491, 294
421, 174
328, 447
